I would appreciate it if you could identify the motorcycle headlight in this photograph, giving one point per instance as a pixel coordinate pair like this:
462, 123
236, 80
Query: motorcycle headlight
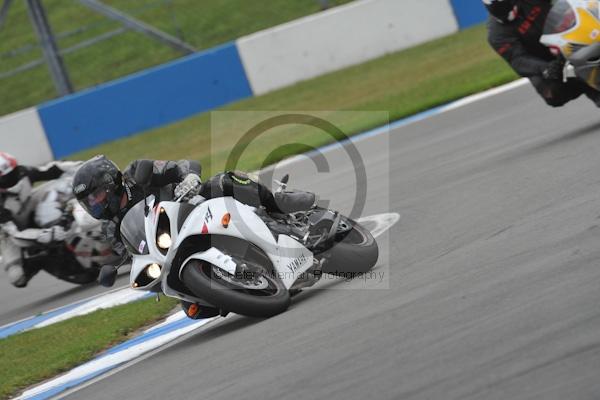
164, 241
153, 271
148, 275
163, 232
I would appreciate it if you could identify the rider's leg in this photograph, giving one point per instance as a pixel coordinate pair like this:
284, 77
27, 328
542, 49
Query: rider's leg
248, 191
290, 202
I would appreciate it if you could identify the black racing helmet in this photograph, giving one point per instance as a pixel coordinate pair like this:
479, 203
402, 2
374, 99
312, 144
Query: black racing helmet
505, 11
98, 186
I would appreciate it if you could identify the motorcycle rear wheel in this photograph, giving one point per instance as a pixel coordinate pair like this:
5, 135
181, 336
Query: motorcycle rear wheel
356, 253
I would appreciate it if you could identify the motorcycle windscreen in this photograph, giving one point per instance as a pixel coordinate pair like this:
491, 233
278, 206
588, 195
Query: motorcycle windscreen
560, 19
133, 233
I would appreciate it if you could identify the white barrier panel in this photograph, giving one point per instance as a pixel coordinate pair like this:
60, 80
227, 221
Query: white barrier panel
343, 36
22, 135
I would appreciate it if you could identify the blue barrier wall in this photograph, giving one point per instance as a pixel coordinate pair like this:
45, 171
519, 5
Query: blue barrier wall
469, 12
168, 93
145, 100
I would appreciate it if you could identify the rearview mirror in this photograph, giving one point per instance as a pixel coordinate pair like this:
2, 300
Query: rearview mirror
108, 276
285, 179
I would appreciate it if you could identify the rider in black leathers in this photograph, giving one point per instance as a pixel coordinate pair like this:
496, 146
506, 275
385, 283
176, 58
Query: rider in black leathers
514, 31
108, 194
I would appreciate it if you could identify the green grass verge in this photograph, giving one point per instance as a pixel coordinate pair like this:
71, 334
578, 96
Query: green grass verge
36, 355
401, 84
203, 23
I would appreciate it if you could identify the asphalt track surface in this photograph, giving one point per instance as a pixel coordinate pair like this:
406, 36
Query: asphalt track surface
494, 282
43, 293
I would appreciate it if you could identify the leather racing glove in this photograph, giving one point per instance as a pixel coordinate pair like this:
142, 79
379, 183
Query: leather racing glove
554, 71
188, 187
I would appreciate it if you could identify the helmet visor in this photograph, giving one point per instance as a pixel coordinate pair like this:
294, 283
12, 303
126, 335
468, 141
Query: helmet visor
96, 202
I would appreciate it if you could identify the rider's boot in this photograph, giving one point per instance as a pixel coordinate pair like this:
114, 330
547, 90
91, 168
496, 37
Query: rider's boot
294, 201
17, 276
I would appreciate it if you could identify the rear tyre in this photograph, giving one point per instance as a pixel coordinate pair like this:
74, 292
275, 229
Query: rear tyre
201, 279
356, 253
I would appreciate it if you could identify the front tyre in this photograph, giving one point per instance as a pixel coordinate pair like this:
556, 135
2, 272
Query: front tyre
206, 281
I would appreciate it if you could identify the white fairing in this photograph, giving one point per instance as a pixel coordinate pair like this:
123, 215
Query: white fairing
294, 259
289, 257
138, 265
215, 257
244, 223
220, 216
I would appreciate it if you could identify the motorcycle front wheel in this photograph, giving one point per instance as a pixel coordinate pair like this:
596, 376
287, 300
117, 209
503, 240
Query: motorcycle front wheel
261, 299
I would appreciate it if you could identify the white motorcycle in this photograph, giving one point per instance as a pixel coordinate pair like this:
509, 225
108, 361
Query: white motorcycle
232, 257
